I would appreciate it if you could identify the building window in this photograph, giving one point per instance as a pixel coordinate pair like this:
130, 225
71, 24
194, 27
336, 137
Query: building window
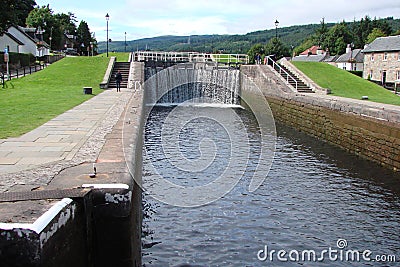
385, 56
370, 75
372, 57
398, 75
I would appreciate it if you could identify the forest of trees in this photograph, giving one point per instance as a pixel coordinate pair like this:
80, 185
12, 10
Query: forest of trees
26, 13
333, 38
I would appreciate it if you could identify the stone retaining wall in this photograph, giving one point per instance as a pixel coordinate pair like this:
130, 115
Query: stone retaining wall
367, 129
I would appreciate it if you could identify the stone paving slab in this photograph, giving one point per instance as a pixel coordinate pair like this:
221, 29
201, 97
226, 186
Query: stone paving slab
72, 138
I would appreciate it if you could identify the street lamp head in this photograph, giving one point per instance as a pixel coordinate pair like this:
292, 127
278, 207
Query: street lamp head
276, 23
107, 17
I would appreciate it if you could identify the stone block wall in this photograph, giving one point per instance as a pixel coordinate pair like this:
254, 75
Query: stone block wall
369, 138
369, 130
378, 64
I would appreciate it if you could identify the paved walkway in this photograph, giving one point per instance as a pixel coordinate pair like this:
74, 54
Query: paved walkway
70, 139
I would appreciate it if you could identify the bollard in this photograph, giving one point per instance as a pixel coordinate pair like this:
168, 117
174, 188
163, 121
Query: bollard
87, 90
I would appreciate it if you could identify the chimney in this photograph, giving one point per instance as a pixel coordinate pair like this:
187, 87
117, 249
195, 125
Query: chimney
348, 49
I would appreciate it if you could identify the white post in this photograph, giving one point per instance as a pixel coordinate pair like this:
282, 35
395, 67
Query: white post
7, 59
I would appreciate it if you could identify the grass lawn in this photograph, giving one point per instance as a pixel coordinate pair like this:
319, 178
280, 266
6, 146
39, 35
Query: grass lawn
343, 83
121, 56
28, 102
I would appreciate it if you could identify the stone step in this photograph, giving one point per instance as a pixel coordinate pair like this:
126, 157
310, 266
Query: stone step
124, 68
301, 86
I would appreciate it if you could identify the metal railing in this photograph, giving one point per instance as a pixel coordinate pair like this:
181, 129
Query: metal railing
22, 72
281, 71
191, 57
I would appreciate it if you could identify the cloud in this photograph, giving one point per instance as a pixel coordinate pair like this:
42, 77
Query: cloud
185, 26
186, 17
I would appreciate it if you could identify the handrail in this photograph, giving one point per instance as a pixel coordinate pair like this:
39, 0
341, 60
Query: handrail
191, 57
269, 59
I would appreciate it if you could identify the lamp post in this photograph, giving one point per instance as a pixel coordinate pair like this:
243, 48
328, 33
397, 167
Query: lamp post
107, 19
276, 28
125, 42
351, 56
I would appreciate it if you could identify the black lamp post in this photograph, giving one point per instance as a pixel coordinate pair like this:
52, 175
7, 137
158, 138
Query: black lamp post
125, 42
107, 19
276, 28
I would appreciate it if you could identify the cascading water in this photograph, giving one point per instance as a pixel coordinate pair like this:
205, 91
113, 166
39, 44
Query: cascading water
192, 83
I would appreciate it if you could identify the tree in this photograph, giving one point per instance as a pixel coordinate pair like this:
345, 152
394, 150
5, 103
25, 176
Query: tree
276, 47
53, 25
84, 37
42, 19
337, 39
14, 12
254, 50
66, 25
361, 30
382, 25
375, 34
67, 22
321, 33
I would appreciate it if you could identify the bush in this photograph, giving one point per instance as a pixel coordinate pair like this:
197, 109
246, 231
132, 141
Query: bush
18, 60
358, 73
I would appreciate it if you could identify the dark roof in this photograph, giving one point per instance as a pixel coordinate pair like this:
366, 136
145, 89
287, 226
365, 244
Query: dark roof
331, 58
384, 44
355, 54
23, 31
314, 58
12, 37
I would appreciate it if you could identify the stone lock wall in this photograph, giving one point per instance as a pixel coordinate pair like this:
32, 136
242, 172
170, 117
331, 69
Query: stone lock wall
369, 130
369, 138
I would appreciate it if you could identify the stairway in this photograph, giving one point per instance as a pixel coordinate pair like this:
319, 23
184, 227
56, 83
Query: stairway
301, 86
124, 68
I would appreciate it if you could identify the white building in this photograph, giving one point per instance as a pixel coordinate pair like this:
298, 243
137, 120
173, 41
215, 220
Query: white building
352, 60
25, 41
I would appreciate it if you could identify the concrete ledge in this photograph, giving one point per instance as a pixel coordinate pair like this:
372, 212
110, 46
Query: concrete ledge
55, 237
107, 75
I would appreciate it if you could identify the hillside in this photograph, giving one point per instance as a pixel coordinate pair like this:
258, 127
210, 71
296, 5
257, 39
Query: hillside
208, 43
291, 36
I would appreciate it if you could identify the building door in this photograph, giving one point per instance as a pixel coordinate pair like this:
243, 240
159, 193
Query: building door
384, 77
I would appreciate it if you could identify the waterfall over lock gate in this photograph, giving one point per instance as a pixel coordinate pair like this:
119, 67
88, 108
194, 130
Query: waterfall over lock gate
192, 83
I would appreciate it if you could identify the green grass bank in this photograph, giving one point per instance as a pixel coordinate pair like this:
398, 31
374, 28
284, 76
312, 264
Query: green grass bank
121, 56
345, 84
29, 102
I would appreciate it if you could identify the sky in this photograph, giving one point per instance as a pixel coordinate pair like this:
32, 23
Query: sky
151, 18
